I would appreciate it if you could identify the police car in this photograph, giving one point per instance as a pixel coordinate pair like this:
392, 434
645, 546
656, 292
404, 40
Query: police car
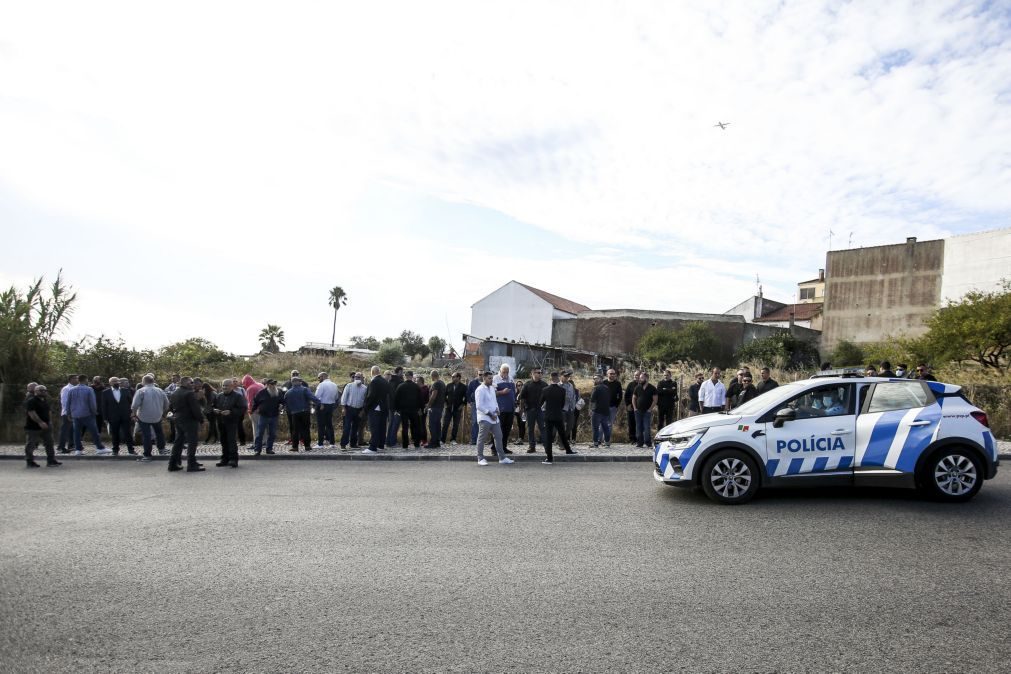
838, 429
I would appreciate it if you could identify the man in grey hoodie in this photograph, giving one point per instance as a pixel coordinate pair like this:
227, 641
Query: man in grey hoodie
149, 407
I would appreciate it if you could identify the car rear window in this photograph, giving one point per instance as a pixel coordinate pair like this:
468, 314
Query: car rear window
897, 395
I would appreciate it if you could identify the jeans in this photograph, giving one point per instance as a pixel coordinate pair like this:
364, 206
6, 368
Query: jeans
268, 424
535, 418
601, 428
324, 423
454, 416
145, 433
66, 432
352, 415
642, 427
434, 426
391, 433
487, 428
86, 423
377, 429
473, 424
187, 433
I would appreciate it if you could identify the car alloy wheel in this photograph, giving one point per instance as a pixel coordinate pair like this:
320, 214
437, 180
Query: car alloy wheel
955, 475
731, 478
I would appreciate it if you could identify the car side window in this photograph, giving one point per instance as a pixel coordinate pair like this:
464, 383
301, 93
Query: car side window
897, 395
831, 400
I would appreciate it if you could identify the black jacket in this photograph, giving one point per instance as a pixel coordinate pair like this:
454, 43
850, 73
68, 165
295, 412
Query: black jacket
763, 386
267, 405
234, 402
532, 393
407, 398
113, 411
185, 406
456, 396
615, 388
600, 399
378, 394
629, 391
746, 394
554, 401
666, 393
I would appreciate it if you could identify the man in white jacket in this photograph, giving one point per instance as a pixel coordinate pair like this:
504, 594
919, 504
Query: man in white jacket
486, 404
150, 405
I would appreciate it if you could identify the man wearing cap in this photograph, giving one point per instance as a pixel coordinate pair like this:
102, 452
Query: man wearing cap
554, 417
353, 400
328, 392
266, 409
486, 404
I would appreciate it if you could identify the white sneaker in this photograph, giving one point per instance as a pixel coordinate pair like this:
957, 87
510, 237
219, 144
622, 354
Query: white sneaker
77, 452
506, 460
482, 462
547, 463
105, 451
453, 443
369, 451
319, 445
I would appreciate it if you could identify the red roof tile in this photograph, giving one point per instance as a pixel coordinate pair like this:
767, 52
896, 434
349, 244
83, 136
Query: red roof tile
557, 302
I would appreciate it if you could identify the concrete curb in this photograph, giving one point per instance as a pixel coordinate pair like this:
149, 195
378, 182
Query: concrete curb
563, 458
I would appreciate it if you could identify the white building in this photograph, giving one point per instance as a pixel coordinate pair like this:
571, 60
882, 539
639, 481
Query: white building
521, 313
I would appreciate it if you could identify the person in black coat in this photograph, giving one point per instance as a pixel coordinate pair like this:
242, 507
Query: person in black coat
456, 402
117, 414
630, 410
553, 399
377, 406
188, 415
407, 400
229, 405
666, 400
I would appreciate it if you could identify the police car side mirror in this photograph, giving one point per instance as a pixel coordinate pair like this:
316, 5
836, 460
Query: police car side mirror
784, 415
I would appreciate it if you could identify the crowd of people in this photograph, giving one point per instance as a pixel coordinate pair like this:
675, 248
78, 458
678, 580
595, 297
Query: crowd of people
394, 402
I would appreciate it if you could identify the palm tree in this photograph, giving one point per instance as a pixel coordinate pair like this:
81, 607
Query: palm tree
338, 298
270, 337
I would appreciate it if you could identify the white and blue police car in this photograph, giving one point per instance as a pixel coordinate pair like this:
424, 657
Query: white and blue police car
838, 429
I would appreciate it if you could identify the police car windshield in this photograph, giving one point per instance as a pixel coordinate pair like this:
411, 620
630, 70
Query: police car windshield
766, 400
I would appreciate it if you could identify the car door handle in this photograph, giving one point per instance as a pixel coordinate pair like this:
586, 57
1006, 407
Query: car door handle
919, 422
840, 431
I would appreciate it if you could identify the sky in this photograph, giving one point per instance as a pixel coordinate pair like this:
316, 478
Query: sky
203, 169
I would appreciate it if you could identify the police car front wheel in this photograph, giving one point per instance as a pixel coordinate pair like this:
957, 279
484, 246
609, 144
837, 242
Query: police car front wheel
952, 474
730, 477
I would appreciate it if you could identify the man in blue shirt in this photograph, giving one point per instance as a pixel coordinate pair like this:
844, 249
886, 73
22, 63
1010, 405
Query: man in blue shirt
298, 400
82, 408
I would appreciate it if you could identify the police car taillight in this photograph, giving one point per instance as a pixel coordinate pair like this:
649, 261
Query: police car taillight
981, 418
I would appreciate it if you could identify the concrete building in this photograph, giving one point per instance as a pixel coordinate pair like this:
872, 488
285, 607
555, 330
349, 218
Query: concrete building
520, 313
881, 291
813, 290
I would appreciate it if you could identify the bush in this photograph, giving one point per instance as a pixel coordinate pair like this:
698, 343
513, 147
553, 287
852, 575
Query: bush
782, 350
847, 354
695, 341
391, 353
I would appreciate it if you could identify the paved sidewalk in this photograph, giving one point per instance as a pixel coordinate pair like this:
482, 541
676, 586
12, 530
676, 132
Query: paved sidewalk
616, 452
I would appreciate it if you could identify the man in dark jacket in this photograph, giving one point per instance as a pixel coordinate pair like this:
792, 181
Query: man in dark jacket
693, 394
377, 406
407, 400
456, 402
530, 399
630, 410
666, 399
554, 416
267, 407
396, 379
471, 389
188, 415
229, 406
746, 393
115, 405
298, 401
614, 386
766, 383
600, 412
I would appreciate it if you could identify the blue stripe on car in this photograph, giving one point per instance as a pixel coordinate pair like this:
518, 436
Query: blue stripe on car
844, 462
820, 463
881, 438
795, 466
988, 443
918, 439
771, 467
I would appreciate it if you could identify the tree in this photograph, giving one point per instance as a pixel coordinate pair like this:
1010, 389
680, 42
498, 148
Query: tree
694, 341
391, 353
412, 342
359, 342
270, 337
103, 356
436, 345
189, 356
847, 353
338, 299
781, 350
29, 323
976, 327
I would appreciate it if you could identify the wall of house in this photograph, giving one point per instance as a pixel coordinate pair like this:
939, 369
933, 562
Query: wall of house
513, 313
975, 262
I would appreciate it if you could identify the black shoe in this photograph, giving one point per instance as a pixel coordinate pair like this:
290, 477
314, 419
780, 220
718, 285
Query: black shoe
54, 462
173, 467
221, 464
506, 450
199, 465
115, 452
571, 451
270, 451
344, 447
531, 450
195, 469
257, 453
233, 464
131, 450
63, 451
32, 464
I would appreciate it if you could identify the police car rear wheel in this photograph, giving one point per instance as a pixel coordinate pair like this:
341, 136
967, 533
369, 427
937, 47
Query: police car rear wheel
952, 475
730, 477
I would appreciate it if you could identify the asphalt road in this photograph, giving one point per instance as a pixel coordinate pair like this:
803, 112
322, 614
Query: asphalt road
323, 566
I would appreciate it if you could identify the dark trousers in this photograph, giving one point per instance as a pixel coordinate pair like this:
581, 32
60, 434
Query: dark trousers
66, 432
187, 433
575, 425
434, 426
643, 432
410, 420
229, 447
240, 430
452, 414
391, 431
559, 426
377, 429
535, 419
351, 432
82, 424
212, 428
711, 410
300, 431
521, 427
324, 423
664, 416
146, 430
120, 429
34, 438
506, 421
632, 428
171, 430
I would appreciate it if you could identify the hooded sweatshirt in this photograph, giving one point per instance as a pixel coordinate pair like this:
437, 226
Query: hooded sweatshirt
252, 388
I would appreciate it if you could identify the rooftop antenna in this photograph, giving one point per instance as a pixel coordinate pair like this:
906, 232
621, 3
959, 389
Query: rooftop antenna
830, 235
850, 243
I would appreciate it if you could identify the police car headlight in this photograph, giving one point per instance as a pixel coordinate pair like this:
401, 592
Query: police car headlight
682, 440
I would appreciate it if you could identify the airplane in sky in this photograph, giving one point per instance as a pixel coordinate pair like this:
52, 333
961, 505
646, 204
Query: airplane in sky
722, 125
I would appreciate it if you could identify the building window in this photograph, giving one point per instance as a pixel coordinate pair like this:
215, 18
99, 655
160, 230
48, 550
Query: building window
807, 293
